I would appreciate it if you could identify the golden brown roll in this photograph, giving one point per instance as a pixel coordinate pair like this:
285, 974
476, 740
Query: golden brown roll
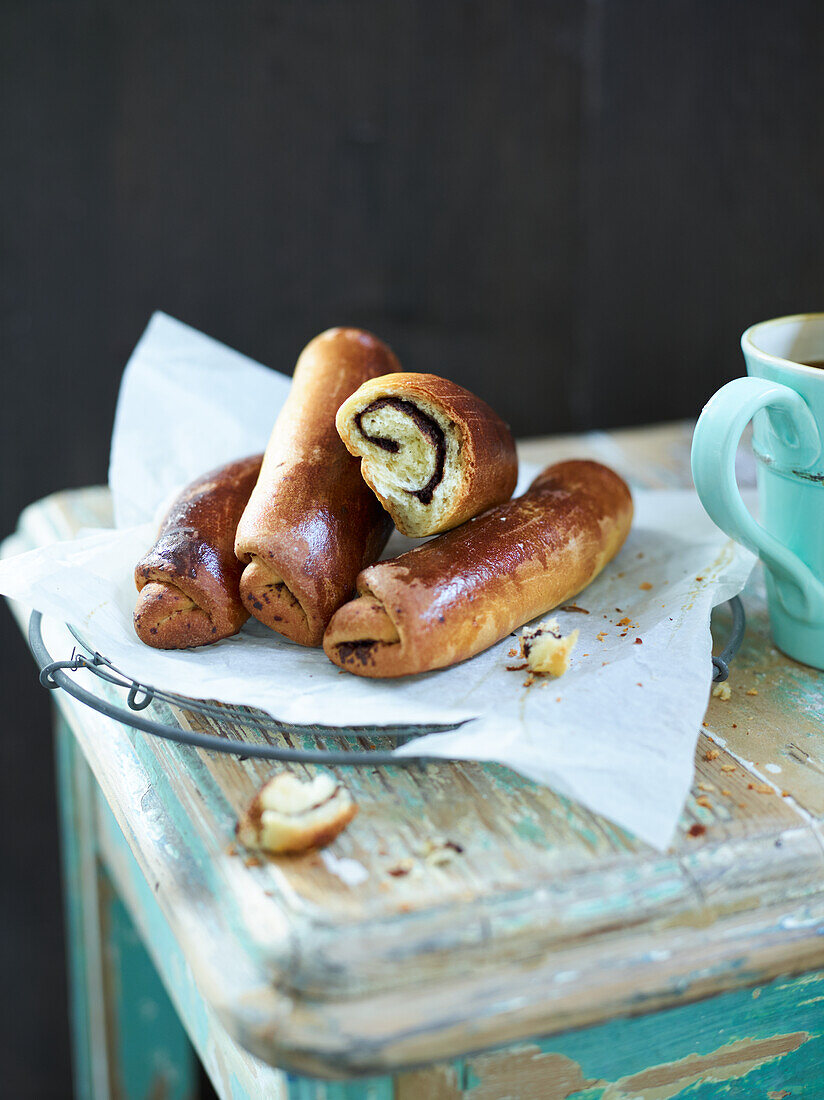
449, 599
188, 581
433, 453
312, 523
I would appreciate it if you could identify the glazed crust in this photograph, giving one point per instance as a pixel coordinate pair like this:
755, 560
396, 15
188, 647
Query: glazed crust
188, 581
486, 449
460, 593
312, 524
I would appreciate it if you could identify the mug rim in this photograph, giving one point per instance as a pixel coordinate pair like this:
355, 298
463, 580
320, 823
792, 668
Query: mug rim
748, 344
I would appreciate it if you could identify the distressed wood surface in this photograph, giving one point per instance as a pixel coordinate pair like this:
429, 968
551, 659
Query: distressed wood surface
549, 918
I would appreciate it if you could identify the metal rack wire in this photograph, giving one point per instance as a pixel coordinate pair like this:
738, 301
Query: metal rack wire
54, 675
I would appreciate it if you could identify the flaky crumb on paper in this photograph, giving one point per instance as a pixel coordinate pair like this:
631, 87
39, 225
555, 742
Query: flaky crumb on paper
288, 815
722, 692
545, 650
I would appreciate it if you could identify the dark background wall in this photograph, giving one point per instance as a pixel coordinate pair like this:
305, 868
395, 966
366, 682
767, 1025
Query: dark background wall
572, 206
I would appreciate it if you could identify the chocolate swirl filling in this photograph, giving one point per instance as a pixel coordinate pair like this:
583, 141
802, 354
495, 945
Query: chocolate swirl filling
429, 429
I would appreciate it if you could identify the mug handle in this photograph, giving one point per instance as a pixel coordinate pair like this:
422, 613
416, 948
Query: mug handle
714, 444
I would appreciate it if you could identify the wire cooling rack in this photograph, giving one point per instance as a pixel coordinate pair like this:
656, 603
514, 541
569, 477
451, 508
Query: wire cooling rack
55, 676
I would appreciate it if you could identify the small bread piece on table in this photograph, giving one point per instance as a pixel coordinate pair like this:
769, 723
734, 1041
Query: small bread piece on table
188, 581
546, 650
312, 523
433, 453
287, 815
460, 593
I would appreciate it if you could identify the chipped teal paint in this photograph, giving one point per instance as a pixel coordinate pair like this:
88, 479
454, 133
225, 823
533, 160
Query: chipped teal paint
528, 829
153, 1054
623, 1048
124, 1030
375, 1088
72, 837
166, 952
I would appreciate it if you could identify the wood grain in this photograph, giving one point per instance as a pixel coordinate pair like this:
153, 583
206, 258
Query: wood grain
546, 908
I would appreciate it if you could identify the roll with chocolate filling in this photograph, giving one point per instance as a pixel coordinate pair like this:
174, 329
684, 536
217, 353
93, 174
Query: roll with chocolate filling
460, 593
312, 524
188, 581
433, 453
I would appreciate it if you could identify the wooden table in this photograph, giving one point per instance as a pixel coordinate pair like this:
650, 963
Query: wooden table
598, 968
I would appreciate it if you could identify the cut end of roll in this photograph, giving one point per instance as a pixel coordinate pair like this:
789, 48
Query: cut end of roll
411, 456
269, 599
166, 618
433, 453
360, 637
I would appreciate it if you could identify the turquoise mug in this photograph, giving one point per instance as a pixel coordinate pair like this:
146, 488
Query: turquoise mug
783, 395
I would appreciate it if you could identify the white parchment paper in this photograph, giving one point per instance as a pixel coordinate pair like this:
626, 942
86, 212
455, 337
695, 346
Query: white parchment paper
617, 732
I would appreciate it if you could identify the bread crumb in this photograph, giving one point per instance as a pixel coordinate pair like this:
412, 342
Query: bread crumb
625, 621
752, 691
645, 586
639, 641
760, 788
546, 650
512, 653
726, 791
288, 815
697, 830
712, 754
704, 801
722, 692
437, 853
706, 786
401, 868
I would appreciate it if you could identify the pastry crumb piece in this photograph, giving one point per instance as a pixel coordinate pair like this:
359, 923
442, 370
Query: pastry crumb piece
722, 691
546, 650
574, 607
625, 621
287, 815
713, 754
439, 852
726, 791
645, 586
697, 830
401, 868
704, 801
639, 641
752, 691
728, 767
512, 653
706, 786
